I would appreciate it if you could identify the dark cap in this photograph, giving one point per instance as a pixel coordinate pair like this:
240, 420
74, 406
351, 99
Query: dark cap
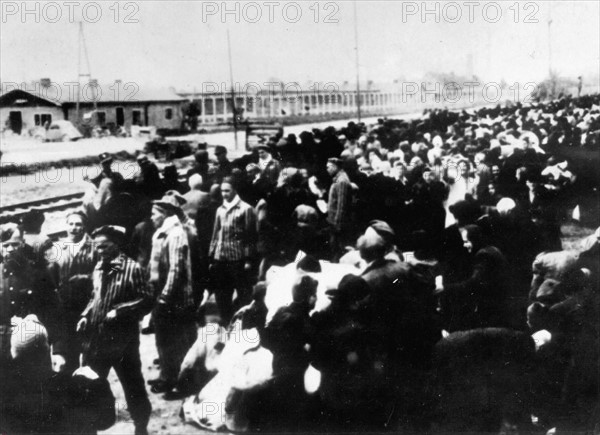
113, 232
201, 156
336, 161
178, 196
351, 288
10, 231
384, 230
220, 149
33, 218
168, 203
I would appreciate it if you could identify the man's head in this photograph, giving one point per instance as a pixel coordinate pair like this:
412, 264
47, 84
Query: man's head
416, 162
350, 290
479, 158
334, 166
221, 153
158, 216
195, 182
107, 240
12, 241
201, 157
76, 226
377, 240
428, 175
464, 166
228, 190
263, 152
167, 206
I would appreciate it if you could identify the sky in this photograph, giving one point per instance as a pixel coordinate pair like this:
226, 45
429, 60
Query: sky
184, 44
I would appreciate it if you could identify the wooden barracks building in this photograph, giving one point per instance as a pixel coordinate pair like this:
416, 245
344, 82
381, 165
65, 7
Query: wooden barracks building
123, 105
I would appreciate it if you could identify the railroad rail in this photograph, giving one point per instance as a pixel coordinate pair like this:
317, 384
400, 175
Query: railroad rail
13, 212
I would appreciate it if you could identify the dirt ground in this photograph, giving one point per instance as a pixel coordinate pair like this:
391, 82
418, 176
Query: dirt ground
165, 414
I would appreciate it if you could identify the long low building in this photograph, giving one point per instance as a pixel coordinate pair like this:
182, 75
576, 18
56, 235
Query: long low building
23, 110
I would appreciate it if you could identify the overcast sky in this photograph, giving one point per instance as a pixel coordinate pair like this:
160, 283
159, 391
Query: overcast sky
183, 44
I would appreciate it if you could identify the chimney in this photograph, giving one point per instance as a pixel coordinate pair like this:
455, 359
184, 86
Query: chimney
45, 82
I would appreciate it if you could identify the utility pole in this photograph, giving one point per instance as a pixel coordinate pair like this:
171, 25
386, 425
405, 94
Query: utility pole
232, 92
357, 74
550, 39
81, 44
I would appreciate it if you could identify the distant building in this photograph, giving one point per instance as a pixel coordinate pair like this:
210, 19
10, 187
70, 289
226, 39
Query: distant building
117, 105
126, 105
22, 111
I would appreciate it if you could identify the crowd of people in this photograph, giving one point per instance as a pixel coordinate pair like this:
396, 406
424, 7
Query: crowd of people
464, 313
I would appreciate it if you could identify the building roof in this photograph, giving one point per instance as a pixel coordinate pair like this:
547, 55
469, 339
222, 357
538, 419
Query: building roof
102, 94
18, 97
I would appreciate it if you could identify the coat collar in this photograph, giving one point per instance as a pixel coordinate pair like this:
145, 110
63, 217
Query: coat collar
380, 262
340, 175
65, 244
236, 202
169, 223
114, 266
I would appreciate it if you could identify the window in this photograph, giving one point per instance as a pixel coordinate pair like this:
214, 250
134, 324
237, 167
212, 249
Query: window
42, 119
168, 113
101, 117
136, 117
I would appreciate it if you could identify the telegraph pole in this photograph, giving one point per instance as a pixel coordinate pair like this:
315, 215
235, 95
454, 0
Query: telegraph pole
550, 40
81, 44
357, 73
232, 92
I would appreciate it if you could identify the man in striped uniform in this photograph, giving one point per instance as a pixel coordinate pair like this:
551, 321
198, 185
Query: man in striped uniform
110, 322
232, 250
73, 260
171, 282
339, 208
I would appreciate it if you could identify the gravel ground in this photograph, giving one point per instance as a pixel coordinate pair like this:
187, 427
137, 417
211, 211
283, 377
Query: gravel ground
165, 414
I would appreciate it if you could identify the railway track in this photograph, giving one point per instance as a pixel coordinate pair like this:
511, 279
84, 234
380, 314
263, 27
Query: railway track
12, 213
